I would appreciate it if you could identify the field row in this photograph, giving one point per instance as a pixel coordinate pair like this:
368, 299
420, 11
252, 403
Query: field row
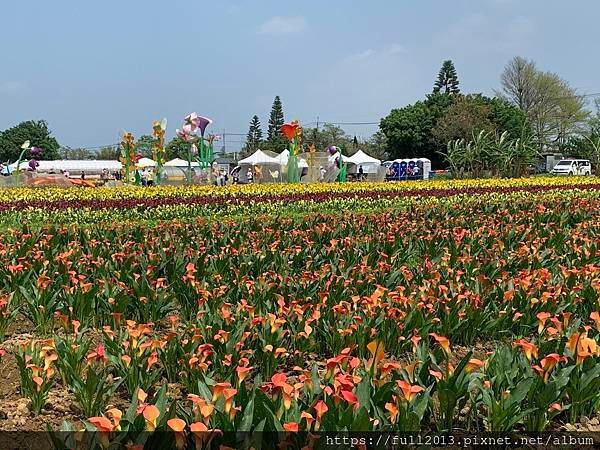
20, 206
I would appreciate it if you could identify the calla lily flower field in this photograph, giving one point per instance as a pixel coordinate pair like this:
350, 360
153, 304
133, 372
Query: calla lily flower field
182, 317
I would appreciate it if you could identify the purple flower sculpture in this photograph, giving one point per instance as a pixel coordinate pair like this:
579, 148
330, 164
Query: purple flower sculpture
332, 150
33, 164
203, 122
35, 152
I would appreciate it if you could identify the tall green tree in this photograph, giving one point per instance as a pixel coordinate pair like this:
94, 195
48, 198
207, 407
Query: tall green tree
509, 118
409, 130
553, 108
144, 144
376, 146
254, 137
467, 115
109, 153
323, 137
473, 113
36, 132
176, 148
275, 139
447, 82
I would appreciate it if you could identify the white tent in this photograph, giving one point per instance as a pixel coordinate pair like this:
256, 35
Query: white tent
284, 156
145, 162
368, 163
177, 162
257, 158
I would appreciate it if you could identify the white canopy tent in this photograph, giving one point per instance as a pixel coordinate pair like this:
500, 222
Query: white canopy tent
177, 162
258, 158
145, 162
368, 163
284, 157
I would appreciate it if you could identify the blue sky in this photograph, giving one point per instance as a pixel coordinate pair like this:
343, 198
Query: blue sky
93, 69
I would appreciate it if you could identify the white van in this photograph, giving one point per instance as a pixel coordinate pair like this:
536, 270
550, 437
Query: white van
573, 167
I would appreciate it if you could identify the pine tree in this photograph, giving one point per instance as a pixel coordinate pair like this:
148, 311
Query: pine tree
275, 138
254, 138
447, 82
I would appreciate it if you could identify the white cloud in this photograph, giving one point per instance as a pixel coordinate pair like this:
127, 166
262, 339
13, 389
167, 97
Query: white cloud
283, 25
396, 49
370, 54
11, 87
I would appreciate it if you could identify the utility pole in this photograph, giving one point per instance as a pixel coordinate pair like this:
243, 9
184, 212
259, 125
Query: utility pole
317, 124
224, 147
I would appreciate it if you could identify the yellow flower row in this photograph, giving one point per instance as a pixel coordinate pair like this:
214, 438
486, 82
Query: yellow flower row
131, 192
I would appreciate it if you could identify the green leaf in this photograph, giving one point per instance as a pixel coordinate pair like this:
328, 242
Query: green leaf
362, 421
248, 416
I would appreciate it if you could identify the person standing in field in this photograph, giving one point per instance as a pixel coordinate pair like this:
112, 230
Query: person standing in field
150, 177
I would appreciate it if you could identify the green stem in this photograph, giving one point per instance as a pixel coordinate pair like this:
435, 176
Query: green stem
20, 159
189, 173
127, 162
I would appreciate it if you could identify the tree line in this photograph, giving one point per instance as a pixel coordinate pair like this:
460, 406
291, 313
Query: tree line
531, 114
320, 137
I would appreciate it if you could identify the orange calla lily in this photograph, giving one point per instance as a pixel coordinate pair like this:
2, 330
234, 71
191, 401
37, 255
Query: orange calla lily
178, 426
409, 391
218, 390
393, 410
291, 427
443, 342
309, 419
542, 318
321, 408
474, 364
377, 351
115, 415
350, 398
228, 394
151, 414
529, 349
242, 373
104, 427
202, 434
102, 424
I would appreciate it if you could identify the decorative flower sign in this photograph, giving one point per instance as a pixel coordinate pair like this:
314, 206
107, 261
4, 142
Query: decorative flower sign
34, 152
158, 152
200, 147
293, 132
128, 155
337, 153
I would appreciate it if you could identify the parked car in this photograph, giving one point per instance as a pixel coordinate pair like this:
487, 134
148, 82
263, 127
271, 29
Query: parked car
573, 167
